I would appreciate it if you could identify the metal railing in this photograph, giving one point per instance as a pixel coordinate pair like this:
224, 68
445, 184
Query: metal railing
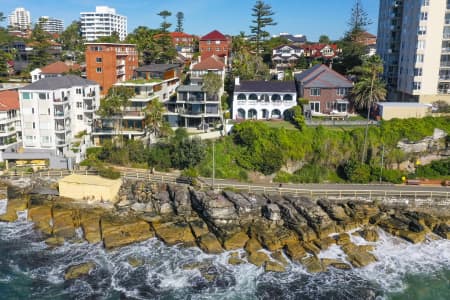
388, 196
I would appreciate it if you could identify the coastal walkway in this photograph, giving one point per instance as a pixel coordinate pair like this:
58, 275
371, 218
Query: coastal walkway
386, 193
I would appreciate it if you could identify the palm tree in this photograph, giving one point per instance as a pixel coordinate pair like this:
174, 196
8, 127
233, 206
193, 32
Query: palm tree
369, 89
212, 84
154, 120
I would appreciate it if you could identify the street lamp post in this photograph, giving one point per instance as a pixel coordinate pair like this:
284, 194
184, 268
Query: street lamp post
213, 163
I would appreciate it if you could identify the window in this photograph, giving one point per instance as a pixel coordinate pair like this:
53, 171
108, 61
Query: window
78, 91
98, 59
46, 139
314, 91
424, 16
422, 30
421, 44
34, 125
80, 117
341, 91
218, 49
426, 2
419, 58
42, 96
417, 71
32, 110
241, 97
99, 70
29, 138
287, 97
26, 96
417, 85
315, 106
79, 104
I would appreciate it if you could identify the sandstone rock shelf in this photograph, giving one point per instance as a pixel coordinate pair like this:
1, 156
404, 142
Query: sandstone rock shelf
270, 229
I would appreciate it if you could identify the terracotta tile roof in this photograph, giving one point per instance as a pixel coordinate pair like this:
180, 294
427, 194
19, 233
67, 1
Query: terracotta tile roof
181, 35
58, 67
9, 100
210, 63
214, 35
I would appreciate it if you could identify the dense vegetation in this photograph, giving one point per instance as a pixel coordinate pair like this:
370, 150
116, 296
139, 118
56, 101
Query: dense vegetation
316, 154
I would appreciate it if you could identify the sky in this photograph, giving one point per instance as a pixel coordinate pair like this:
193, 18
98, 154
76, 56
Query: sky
306, 17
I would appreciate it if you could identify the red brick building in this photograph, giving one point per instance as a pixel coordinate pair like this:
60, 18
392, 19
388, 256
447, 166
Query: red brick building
214, 43
326, 90
110, 63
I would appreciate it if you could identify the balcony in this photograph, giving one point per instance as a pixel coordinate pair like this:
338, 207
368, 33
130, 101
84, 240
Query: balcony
61, 101
120, 72
120, 62
89, 108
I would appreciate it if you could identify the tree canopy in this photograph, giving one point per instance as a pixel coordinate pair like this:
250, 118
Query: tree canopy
180, 21
262, 14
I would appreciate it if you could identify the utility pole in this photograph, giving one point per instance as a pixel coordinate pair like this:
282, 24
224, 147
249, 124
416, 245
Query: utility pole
382, 163
214, 163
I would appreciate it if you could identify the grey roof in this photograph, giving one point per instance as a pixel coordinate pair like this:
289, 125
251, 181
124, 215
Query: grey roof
320, 76
190, 88
62, 82
157, 67
294, 39
266, 86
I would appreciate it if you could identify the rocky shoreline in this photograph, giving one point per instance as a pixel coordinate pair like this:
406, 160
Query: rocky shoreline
273, 230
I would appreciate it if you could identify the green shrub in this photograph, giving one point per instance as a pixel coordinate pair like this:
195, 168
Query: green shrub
436, 169
357, 172
108, 172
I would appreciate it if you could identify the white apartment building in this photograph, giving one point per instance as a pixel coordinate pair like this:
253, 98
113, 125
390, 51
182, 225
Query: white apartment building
414, 42
103, 22
20, 19
51, 25
54, 110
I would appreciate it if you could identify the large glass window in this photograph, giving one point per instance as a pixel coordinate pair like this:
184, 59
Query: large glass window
314, 91
26, 96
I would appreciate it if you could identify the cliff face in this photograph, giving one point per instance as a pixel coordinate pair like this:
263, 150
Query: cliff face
293, 226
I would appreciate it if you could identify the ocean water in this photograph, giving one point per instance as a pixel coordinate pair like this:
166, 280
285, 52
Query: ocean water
31, 270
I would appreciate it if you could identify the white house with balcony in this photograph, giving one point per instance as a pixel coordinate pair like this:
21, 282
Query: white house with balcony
286, 56
263, 100
10, 128
55, 110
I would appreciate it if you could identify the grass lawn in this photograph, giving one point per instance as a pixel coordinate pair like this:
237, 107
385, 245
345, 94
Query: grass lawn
280, 124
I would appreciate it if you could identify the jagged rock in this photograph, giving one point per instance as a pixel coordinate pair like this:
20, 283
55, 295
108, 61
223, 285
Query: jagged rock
64, 222
316, 217
121, 232
335, 264
13, 207
90, 223
198, 227
272, 266
272, 212
443, 230
313, 264
342, 239
247, 206
393, 225
258, 258
336, 212
413, 237
295, 251
236, 241
80, 270
209, 244
310, 247
235, 261
252, 246
370, 235
325, 243
361, 259
296, 222
180, 199
54, 241
41, 216
175, 233
278, 256
197, 265
135, 261
272, 238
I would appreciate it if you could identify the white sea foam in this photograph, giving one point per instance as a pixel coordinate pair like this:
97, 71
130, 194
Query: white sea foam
3, 206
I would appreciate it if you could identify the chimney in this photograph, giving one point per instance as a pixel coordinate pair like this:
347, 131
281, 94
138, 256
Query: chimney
237, 81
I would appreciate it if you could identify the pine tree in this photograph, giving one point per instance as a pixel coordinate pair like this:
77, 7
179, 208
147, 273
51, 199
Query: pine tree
164, 46
262, 14
180, 20
359, 19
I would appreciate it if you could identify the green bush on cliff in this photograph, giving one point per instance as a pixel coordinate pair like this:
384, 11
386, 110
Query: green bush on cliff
108, 172
437, 169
